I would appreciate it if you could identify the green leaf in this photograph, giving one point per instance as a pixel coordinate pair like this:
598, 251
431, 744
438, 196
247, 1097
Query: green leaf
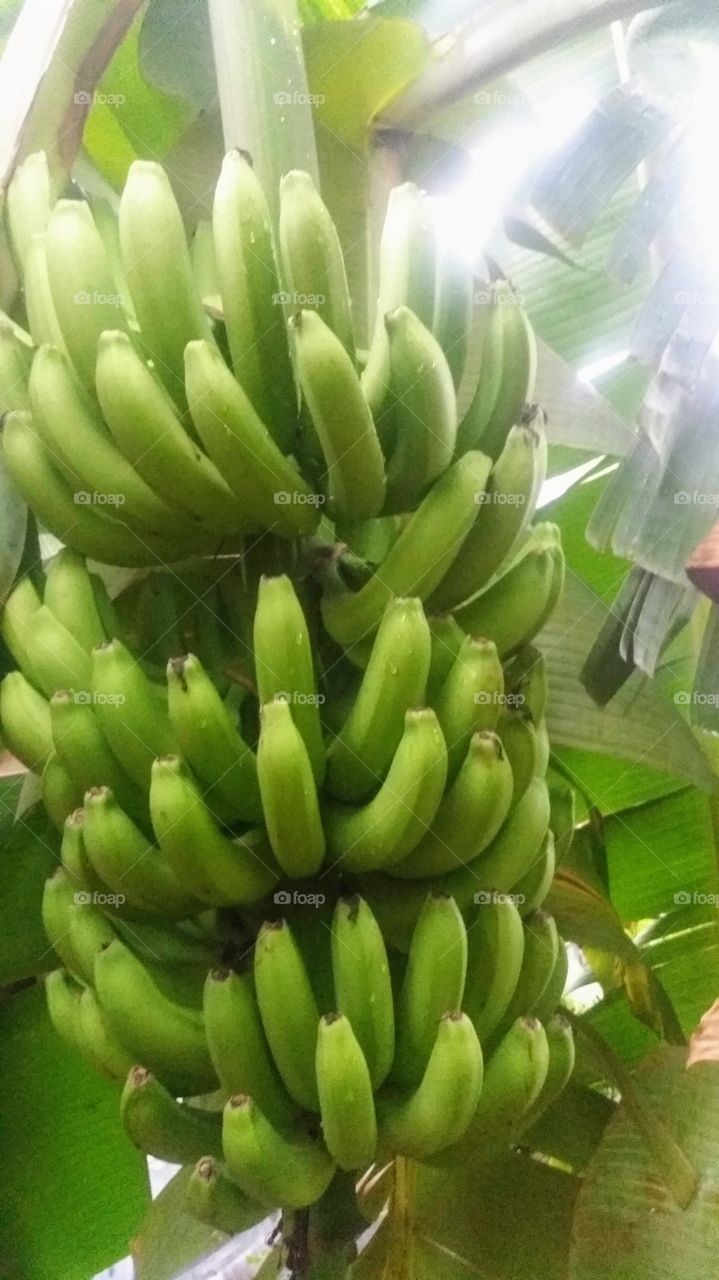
169, 1238
626, 1222
659, 850
74, 1188
29, 853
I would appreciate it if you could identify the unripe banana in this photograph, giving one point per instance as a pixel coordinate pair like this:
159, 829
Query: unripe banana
204, 263
83, 750
217, 1201
69, 595
162, 1127
168, 1037
312, 260
548, 1002
56, 506
25, 719
516, 729
15, 362
544, 749
29, 199
495, 940
433, 983
75, 861
16, 619
513, 1078
388, 827
107, 225
407, 277
238, 1046
419, 558
542, 945
395, 681
471, 813
437, 1114
81, 284
562, 816
447, 640
287, 1169
284, 664
519, 368
491, 337
62, 995
289, 793
362, 983
74, 434
470, 699
514, 849
97, 1040
353, 461
268, 488
215, 869
560, 1043
453, 308
527, 679
349, 1124
127, 862
132, 719
250, 289
157, 264
535, 884
507, 507
60, 795
58, 899
516, 606
145, 427
55, 655
288, 1009
41, 318
210, 742
425, 412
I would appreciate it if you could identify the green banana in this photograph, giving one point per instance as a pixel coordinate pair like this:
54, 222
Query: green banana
250, 289
507, 507
217, 1201
143, 422
81, 284
157, 265
132, 719
162, 1127
29, 199
353, 460
513, 608
73, 433
204, 264
389, 826
439, 1111
394, 681
15, 362
288, 1010
560, 1043
470, 699
447, 640
562, 810
25, 720
76, 948
349, 1124
527, 679
542, 945
287, 1169
41, 318
210, 742
519, 367
16, 621
312, 260
514, 849
83, 750
491, 339
76, 864
495, 940
125, 860
535, 884
238, 1046
284, 664
55, 655
453, 309
106, 223
69, 595
209, 865
424, 413
98, 1042
433, 984
362, 983
419, 558
62, 994
518, 735
59, 793
514, 1075
268, 489
548, 1002
471, 812
169, 1038
289, 793
57, 508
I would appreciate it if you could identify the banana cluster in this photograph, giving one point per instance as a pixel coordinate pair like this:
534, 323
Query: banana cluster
300, 767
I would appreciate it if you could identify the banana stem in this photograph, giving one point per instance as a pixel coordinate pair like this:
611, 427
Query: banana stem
399, 1263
